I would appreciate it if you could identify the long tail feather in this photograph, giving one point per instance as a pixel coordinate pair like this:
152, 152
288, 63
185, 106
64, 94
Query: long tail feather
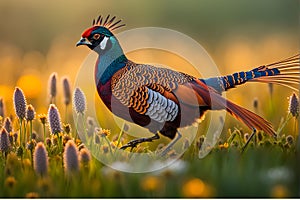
217, 102
249, 118
286, 61
289, 73
285, 72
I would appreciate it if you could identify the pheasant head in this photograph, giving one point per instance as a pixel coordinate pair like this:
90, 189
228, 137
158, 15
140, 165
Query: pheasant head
99, 37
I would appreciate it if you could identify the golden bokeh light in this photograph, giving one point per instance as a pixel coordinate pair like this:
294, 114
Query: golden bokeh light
195, 187
31, 85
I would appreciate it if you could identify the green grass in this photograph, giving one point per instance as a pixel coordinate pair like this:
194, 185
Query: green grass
267, 168
256, 173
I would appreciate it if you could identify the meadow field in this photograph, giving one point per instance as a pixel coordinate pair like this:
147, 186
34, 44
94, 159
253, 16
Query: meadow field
50, 144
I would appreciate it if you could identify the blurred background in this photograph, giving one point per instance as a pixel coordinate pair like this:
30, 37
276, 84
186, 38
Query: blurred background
39, 37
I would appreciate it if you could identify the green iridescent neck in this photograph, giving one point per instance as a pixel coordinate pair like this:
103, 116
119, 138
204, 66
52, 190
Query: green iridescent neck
110, 62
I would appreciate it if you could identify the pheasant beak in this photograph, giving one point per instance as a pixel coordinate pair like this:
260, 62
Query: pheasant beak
83, 41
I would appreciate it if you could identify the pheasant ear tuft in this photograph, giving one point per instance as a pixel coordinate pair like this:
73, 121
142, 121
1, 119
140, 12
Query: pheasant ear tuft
108, 23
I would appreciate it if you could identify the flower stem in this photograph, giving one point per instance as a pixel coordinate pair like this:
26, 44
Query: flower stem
25, 132
108, 143
30, 124
31, 156
76, 128
119, 139
295, 126
60, 145
120, 134
231, 138
284, 124
21, 142
44, 129
84, 128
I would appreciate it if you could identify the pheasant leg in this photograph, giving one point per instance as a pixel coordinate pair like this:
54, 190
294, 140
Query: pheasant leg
249, 139
134, 143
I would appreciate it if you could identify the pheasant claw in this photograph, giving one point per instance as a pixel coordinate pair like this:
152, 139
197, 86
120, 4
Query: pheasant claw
134, 143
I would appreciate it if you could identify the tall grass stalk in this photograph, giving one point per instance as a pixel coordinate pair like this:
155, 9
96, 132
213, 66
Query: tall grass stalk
24, 131
83, 126
76, 128
109, 146
44, 132
78, 122
20, 129
30, 127
288, 118
119, 138
120, 134
295, 127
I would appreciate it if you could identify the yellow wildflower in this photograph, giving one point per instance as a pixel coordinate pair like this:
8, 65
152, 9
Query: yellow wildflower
114, 144
42, 118
60, 134
32, 195
10, 182
150, 183
67, 128
78, 142
195, 187
104, 132
225, 145
279, 191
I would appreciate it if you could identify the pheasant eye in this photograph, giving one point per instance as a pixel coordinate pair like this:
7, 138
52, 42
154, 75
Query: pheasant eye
96, 36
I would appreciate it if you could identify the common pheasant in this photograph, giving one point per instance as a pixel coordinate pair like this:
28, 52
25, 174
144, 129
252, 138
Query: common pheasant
156, 98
